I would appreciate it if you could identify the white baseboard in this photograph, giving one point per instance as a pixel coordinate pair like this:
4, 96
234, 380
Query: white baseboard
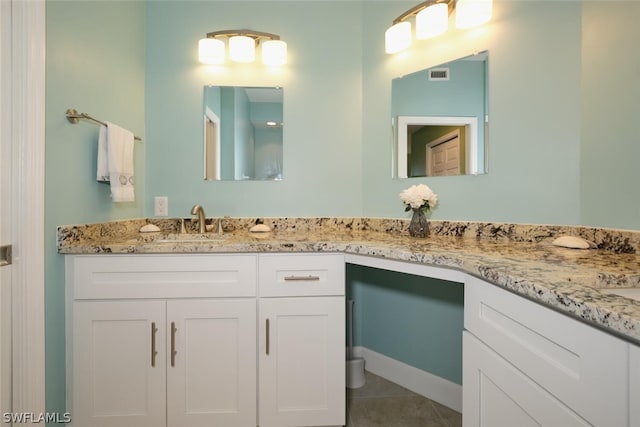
424, 383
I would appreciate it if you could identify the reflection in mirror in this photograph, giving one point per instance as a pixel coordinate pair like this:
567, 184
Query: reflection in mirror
243, 133
440, 118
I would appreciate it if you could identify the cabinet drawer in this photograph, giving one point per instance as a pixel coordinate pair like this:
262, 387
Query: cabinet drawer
161, 276
581, 366
301, 274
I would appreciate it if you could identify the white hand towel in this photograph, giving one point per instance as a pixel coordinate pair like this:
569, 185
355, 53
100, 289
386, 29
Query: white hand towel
115, 161
102, 173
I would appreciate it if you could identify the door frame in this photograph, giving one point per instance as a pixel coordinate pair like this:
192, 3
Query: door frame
26, 70
212, 151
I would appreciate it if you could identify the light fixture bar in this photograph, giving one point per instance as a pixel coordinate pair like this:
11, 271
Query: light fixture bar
414, 10
248, 33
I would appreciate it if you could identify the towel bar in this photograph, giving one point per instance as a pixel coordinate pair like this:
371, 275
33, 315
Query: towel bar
74, 118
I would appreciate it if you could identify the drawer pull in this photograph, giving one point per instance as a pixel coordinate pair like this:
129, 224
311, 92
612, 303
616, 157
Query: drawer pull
301, 278
173, 344
154, 352
267, 337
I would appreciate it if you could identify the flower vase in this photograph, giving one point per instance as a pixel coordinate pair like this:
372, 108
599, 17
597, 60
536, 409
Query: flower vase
419, 226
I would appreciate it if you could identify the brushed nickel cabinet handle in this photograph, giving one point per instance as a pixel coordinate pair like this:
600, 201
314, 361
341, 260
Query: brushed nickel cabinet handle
267, 339
154, 353
173, 344
301, 278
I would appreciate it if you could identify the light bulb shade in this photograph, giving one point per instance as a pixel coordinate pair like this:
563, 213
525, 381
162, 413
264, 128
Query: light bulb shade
274, 53
397, 37
211, 51
471, 13
432, 21
242, 49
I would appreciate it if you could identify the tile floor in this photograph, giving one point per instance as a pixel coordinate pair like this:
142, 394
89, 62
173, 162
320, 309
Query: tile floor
381, 403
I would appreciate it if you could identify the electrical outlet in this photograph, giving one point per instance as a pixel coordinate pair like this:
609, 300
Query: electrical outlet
161, 206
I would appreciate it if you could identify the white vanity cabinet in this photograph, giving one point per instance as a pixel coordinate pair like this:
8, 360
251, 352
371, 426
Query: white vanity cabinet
178, 340
302, 340
527, 365
162, 340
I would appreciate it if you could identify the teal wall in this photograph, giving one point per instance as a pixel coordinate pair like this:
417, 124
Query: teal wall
95, 64
322, 106
243, 138
545, 100
610, 141
534, 114
416, 320
562, 144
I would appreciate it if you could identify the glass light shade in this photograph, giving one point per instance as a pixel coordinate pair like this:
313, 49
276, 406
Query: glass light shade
274, 52
471, 13
242, 49
397, 37
211, 51
432, 21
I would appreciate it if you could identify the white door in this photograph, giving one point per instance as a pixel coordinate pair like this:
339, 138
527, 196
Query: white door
443, 155
301, 362
22, 34
119, 364
211, 365
5, 210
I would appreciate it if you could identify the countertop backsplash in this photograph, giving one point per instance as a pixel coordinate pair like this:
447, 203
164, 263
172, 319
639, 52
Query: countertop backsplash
618, 241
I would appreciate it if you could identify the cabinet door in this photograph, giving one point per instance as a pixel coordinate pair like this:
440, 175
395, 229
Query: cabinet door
211, 376
117, 380
302, 361
496, 394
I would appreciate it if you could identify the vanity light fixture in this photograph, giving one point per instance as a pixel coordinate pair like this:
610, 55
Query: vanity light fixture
242, 47
432, 19
471, 13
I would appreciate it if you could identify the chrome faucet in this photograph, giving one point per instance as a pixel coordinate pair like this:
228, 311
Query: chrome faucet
197, 210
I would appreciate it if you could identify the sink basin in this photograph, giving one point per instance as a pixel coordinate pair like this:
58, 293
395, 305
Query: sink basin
191, 238
633, 293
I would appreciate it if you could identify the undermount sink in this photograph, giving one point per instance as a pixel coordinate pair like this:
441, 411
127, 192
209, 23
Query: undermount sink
190, 238
633, 293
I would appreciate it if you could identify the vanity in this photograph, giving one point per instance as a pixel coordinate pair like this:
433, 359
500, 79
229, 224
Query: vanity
545, 341
195, 339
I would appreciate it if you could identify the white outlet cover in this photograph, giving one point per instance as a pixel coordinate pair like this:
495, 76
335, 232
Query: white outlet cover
161, 206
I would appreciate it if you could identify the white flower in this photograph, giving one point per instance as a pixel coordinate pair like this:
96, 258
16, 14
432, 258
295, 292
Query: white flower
419, 196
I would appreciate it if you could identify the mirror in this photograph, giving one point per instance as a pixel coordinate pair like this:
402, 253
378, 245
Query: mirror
440, 119
243, 133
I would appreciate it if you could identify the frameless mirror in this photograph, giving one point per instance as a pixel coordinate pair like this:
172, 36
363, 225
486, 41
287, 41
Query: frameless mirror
243, 133
440, 119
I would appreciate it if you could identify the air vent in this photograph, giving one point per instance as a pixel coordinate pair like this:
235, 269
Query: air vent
439, 74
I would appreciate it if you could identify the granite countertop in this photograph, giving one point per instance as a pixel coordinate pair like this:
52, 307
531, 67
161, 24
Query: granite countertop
520, 258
